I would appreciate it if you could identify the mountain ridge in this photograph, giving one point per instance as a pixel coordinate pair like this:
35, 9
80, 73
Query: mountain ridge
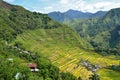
74, 14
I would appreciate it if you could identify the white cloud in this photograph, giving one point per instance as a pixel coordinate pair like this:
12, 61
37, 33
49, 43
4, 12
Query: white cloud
9, 0
64, 1
48, 9
43, 10
93, 7
81, 5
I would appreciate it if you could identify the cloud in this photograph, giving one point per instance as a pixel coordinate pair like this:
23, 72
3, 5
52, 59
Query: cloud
48, 9
10, 1
93, 7
64, 1
46, 6
84, 5
43, 10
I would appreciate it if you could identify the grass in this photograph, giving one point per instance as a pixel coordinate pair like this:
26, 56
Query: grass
107, 74
63, 51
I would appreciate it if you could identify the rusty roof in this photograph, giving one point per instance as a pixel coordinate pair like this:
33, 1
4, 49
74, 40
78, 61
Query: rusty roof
32, 65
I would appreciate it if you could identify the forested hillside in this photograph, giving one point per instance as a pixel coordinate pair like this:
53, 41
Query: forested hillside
102, 33
14, 58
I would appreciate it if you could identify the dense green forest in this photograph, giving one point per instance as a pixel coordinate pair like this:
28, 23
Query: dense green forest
103, 33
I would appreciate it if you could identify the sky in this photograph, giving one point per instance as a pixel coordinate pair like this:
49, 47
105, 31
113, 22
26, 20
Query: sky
46, 6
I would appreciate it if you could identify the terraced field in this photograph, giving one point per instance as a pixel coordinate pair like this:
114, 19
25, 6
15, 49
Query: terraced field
65, 53
69, 61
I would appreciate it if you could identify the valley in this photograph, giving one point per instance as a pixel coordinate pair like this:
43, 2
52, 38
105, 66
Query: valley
77, 49
66, 56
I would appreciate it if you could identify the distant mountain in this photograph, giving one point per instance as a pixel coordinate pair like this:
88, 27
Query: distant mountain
99, 14
103, 33
58, 16
74, 14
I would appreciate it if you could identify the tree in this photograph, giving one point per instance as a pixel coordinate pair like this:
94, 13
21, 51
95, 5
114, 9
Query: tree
79, 78
95, 77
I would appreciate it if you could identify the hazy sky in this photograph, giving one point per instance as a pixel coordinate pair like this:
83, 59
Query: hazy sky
45, 6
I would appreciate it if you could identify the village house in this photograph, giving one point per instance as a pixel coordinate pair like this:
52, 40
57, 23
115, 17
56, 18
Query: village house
33, 67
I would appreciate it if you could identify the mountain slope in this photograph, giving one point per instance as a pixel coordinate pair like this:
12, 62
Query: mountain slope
100, 32
63, 54
74, 14
58, 16
99, 14
15, 21
30, 37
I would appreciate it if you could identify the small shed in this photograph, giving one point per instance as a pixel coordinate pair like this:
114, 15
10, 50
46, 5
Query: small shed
33, 67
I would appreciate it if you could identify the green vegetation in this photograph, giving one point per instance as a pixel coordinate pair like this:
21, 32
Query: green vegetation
102, 33
62, 53
30, 37
9, 68
114, 67
94, 77
16, 20
108, 74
